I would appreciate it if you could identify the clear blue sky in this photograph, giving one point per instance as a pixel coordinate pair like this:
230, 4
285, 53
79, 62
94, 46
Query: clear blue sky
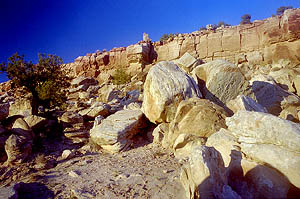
70, 28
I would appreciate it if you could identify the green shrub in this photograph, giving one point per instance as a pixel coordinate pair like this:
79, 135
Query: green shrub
121, 77
165, 37
245, 19
222, 23
281, 9
44, 80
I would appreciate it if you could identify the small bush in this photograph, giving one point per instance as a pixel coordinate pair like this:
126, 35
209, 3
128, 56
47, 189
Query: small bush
222, 23
202, 28
281, 10
165, 37
121, 77
245, 19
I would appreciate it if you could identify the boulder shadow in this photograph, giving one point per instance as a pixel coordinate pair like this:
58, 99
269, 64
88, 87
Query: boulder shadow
33, 190
210, 96
262, 181
269, 96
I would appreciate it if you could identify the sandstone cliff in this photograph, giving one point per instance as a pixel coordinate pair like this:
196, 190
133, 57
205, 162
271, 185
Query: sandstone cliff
262, 42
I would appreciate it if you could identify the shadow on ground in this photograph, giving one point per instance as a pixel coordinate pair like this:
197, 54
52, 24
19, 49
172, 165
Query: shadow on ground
32, 191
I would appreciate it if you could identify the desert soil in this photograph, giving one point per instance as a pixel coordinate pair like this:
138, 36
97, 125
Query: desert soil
146, 170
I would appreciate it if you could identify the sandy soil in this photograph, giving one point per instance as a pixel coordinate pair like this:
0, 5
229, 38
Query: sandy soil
144, 171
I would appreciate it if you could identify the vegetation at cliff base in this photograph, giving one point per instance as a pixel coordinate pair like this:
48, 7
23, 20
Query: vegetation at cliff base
121, 77
44, 80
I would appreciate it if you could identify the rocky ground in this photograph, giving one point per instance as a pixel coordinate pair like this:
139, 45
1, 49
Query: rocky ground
144, 171
178, 129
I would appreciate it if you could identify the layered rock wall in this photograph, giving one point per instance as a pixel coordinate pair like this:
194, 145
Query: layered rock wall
133, 58
262, 42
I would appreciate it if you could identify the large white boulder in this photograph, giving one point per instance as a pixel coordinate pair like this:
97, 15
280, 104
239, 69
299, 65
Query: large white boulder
115, 132
165, 87
223, 80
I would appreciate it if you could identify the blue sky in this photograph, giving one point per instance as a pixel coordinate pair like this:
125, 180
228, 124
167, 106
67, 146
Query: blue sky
70, 28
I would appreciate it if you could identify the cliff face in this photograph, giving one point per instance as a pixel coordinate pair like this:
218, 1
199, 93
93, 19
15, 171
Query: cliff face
262, 42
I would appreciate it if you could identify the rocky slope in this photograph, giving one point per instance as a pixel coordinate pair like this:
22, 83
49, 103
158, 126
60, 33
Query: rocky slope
262, 42
181, 128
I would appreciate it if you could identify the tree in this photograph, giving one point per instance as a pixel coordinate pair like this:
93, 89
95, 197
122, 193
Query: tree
281, 10
165, 37
222, 23
245, 19
44, 80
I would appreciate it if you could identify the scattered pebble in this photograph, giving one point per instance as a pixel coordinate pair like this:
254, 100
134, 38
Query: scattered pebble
73, 174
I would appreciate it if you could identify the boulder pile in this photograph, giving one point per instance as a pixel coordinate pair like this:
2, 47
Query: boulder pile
232, 123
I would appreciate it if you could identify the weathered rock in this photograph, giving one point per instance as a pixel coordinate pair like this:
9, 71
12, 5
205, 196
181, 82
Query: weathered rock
108, 92
4, 111
160, 132
273, 140
204, 176
137, 53
262, 42
223, 142
77, 134
246, 103
95, 110
271, 96
21, 128
168, 51
85, 81
67, 154
115, 132
187, 62
70, 117
248, 178
42, 162
5, 87
223, 81
133, 106
6, 97
17, 148
198, 117
73, 133
93, 89
265, 182
83, 87
165, 87
297, 84
20, 107
184, 145
290, 113
285, 77
36, 122
131, 96
98, 120
146, 37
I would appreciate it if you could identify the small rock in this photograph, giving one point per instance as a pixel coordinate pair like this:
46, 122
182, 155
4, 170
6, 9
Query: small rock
67, 154
81, 194
123, 176
73, 174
